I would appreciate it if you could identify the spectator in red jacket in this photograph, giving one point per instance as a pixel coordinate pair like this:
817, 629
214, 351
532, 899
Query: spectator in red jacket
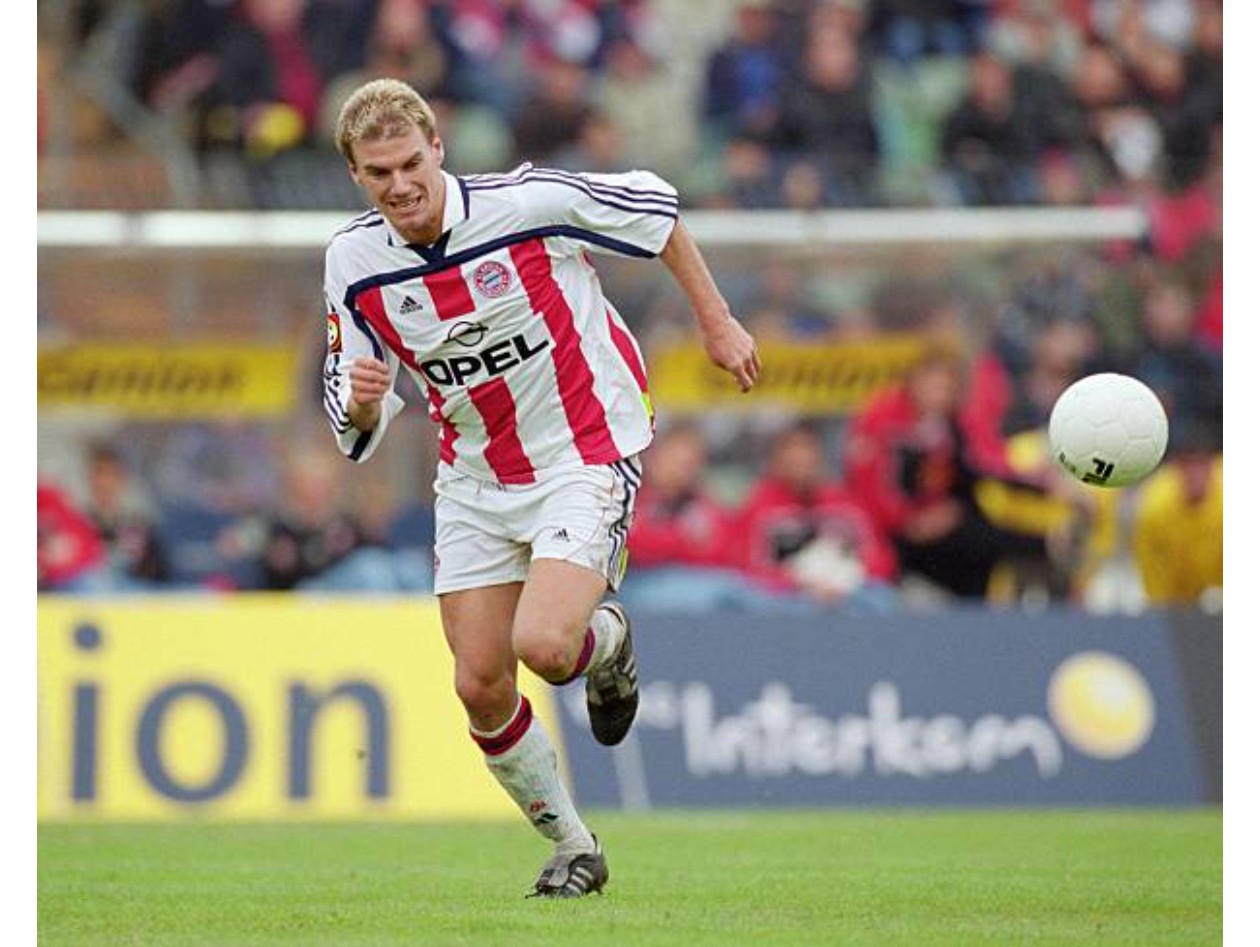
681, 540
915, 455
676, 521
69, 551
124, 519
803, 530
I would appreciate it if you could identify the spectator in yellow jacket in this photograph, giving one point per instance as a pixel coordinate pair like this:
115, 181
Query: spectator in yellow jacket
1178, 535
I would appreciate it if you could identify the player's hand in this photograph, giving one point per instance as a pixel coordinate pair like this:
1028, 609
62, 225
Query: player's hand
730, 346
369, 381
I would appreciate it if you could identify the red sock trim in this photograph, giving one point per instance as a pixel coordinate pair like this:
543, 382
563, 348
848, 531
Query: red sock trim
512, 733
584, 659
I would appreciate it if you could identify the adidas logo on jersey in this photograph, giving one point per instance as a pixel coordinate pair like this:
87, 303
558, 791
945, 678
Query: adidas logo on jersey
562, 535
408, 305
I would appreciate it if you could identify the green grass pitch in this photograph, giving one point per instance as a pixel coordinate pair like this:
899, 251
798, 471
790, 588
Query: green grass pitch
728, 879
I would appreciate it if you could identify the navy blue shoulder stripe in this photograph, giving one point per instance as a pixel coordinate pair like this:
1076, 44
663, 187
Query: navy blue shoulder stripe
363, 226
483, 181
362, 218
642, 205
529, 172
603, 187
497, 175
608, 187
463, 256
598, 189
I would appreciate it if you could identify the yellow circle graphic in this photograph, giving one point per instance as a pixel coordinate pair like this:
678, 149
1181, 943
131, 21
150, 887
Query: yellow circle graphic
1101, 704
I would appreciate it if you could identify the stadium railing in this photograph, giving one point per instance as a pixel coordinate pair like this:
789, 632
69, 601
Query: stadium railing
790, 229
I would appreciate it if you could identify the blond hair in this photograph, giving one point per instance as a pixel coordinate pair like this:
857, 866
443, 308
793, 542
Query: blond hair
382, 108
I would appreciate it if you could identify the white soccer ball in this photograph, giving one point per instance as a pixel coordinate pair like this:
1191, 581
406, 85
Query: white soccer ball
1108, 430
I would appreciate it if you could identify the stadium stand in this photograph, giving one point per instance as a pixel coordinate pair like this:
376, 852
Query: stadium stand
745, 104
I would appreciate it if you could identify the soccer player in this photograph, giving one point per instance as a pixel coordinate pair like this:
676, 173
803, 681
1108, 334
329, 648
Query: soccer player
482, 288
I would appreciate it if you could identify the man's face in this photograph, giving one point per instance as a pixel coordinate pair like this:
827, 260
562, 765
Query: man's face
935, 389
402, 175
798, 460
107, 482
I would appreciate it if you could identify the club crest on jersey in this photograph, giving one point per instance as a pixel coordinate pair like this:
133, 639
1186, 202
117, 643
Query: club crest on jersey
492, 279
334, 333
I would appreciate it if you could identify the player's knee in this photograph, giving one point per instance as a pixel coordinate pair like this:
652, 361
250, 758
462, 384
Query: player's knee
548, 652
484, 696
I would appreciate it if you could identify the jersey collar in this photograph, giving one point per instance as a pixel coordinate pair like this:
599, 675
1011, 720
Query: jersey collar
453, 214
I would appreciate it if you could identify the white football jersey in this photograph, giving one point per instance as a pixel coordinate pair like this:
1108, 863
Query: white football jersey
502, 323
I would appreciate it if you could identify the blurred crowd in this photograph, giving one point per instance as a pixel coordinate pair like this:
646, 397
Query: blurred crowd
937, 488
745, 103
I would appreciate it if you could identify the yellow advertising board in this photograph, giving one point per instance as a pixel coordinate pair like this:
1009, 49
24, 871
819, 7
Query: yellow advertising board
822, 378
256, 707
169, 381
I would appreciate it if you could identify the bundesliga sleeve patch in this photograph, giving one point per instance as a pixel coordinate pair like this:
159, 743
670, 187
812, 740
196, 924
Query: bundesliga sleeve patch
334, 333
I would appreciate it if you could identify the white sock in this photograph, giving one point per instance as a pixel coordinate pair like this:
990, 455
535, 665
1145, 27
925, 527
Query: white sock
609, 632
527, 768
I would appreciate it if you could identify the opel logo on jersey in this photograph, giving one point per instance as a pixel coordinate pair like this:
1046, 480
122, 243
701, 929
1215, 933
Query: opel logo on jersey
467, 333
492, 279
491, 361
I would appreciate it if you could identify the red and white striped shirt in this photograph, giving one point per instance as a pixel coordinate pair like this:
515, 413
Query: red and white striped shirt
502, 323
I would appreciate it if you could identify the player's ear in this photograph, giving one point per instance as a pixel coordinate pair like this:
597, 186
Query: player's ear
439, 151
351, 165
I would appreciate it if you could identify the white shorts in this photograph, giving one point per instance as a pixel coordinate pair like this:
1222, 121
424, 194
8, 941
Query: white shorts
488, 533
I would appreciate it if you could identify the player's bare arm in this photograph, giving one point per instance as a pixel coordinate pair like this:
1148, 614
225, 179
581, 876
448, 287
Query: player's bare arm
369, 383
727, 343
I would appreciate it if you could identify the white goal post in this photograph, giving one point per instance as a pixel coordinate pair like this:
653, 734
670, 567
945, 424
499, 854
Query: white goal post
794, 229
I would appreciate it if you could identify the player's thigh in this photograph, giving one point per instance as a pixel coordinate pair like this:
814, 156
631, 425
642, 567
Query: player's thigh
577, 537
557, 602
